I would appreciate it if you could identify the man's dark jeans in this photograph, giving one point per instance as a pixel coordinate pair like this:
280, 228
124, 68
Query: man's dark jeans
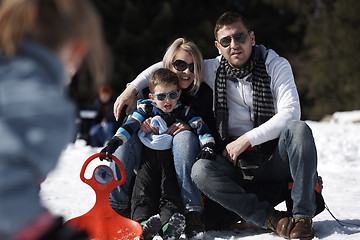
294, 158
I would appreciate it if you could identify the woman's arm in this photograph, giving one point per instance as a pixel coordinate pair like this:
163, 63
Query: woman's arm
142, 80
127, 97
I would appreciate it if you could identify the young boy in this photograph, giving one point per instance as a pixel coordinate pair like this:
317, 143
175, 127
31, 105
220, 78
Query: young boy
156, 201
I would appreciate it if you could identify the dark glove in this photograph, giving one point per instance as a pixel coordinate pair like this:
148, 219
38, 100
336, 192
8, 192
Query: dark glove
207, 152
111, 147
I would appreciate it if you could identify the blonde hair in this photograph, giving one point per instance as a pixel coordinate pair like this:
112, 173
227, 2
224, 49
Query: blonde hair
52, 23
193, 50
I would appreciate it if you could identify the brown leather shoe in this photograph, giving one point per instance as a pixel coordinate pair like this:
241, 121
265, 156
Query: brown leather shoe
302, 229
295, 228
284, 227
275, 218
242, 225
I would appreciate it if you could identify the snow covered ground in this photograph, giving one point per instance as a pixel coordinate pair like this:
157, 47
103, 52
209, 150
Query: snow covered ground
338, 146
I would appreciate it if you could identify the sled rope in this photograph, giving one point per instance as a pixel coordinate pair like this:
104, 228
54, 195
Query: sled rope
342, 223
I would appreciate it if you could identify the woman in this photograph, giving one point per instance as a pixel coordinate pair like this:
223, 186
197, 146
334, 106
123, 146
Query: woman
42, 44
184, 58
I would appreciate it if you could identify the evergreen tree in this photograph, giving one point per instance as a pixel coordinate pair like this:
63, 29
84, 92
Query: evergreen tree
330, 78
318, 37
139, 31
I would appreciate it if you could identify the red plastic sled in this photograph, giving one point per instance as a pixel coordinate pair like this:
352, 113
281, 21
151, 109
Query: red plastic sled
102, 222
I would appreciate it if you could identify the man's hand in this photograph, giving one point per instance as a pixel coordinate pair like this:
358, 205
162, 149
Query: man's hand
127, 97
111, 147
235, 148
177, 127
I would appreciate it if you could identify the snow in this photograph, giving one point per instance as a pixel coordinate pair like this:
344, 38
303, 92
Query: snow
338, 149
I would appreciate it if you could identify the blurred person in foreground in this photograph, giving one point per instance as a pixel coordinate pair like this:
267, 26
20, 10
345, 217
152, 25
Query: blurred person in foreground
42, 44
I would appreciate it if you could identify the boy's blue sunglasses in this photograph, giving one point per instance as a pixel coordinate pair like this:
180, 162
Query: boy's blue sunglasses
162, 96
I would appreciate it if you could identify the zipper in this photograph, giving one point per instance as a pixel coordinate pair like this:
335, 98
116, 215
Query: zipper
243, 97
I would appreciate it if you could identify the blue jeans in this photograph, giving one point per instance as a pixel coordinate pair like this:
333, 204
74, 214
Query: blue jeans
101, 133
295, 157
185, 150
129, 155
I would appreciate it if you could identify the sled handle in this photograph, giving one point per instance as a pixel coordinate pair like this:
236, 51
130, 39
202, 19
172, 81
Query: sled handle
92, 181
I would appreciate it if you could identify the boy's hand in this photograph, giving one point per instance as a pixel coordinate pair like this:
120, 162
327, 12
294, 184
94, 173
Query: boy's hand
207, 152
111, 147
177, 127
147, 128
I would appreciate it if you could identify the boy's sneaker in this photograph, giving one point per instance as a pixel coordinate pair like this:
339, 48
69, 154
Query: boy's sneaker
174, 228
151, 227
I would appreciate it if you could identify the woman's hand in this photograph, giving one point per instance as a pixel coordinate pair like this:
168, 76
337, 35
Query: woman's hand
177, 127
146, 126
235, 148
127, 97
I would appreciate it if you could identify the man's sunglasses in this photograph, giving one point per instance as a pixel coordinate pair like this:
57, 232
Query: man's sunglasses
180, 65
238, 37
162, 96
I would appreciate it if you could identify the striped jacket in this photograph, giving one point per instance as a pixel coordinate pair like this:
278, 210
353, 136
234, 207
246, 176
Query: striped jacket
184, 114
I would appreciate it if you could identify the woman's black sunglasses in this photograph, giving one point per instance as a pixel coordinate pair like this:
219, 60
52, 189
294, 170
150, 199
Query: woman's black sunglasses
180, 65
238, 37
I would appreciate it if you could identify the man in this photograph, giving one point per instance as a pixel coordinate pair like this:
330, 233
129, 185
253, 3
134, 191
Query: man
263, 141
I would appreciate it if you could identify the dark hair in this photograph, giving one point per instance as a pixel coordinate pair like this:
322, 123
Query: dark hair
105, 89
163, 77
229, 18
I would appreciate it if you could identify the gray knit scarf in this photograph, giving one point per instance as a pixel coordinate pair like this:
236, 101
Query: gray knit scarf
262, 97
